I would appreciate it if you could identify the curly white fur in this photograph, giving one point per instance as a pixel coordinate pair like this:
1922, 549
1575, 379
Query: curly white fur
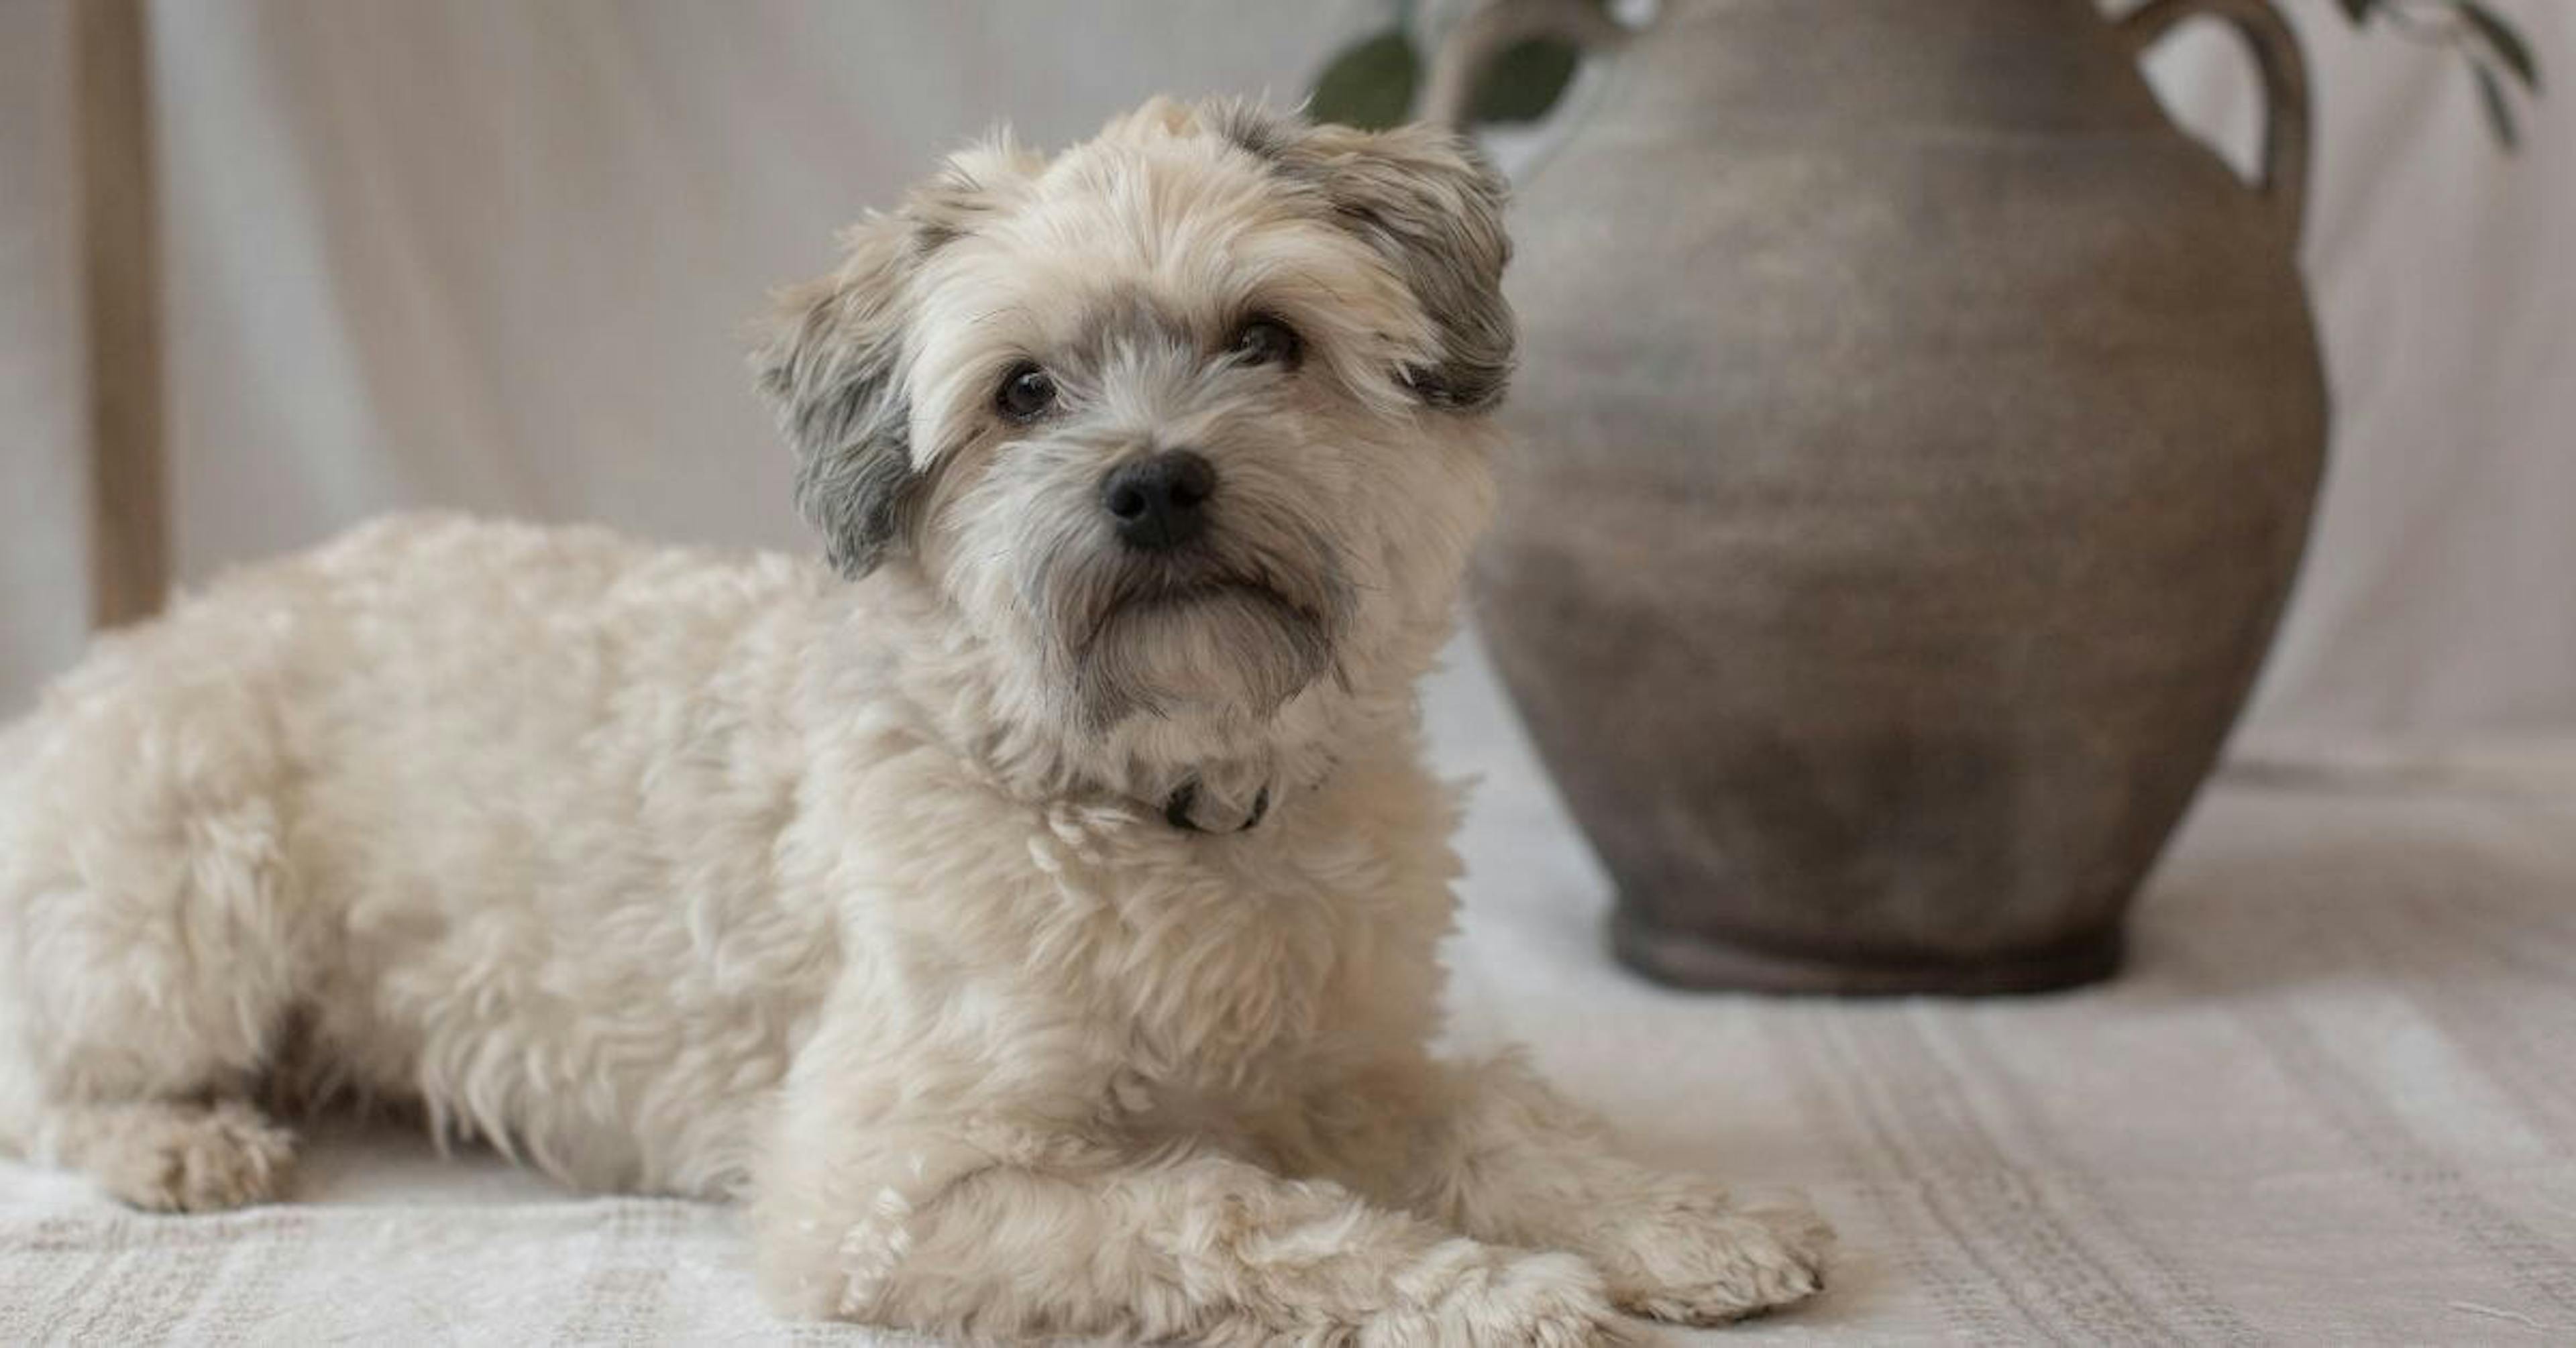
730, 876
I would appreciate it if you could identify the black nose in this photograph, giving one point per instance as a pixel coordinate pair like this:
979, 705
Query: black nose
1160, 501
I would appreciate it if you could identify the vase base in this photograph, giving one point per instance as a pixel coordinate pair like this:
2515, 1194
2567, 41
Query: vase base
1702, 963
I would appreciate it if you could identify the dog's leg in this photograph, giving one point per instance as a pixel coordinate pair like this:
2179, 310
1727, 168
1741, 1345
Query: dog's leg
111, 1066
1197, 1248
1494, 1151
149, 949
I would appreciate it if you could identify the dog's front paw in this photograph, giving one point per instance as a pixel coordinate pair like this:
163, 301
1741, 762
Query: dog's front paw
1546, 1300
1702, 1261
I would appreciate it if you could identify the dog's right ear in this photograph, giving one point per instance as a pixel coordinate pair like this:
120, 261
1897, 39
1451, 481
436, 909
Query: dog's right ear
837, 357
833, 368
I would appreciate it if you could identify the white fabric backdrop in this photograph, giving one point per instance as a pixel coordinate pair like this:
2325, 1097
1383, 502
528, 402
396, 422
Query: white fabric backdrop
497, 255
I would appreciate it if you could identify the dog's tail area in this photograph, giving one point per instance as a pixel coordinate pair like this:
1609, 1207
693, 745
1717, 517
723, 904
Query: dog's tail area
19, 1119
21, 1095
22, 1098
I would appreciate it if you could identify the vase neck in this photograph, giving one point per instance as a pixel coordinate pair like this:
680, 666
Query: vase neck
2002, 65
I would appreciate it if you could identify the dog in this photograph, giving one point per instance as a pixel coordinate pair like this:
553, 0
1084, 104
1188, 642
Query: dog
1030, 912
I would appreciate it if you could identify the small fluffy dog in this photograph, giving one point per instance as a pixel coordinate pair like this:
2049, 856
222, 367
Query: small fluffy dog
1033, 915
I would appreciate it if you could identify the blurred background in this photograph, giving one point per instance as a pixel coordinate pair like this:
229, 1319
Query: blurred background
499, 256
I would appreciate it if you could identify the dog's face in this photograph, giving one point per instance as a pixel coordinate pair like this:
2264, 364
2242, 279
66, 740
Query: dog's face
1187, 422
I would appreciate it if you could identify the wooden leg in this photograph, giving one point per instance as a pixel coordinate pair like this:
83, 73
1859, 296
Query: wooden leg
129, 516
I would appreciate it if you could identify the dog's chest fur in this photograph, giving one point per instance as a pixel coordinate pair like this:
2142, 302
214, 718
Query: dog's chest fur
1180, 979
1236, 960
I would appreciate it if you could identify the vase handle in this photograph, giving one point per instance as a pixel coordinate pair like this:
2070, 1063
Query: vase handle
2285, 88
1495, 26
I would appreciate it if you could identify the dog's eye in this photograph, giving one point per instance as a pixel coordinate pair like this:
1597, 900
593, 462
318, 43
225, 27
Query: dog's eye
1266, 341
1026, 393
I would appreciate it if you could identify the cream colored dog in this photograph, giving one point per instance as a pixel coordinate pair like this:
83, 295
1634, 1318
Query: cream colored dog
1034, 920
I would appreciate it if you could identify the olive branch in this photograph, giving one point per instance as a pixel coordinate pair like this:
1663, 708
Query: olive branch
2497, 55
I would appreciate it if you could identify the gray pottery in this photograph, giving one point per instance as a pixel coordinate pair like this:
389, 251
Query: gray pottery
1916, 438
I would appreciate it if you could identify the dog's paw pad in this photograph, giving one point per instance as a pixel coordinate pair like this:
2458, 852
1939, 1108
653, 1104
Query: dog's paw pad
193, 1159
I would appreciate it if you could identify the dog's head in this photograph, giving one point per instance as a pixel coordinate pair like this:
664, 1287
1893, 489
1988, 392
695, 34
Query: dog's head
1186, 422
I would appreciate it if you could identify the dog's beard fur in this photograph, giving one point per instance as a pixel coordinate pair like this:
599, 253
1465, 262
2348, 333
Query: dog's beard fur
1239, 626
1229, 627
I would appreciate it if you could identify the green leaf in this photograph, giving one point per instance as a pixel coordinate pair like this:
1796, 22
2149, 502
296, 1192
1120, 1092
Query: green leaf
1524, 81
2506, 43
2499, 112
2358, 10
1370, 85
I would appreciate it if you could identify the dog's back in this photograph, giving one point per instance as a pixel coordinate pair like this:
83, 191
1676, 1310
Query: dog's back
413, 793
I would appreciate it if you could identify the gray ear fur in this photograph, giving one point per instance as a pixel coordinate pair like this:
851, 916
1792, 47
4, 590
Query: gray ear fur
1430, 204
833, 368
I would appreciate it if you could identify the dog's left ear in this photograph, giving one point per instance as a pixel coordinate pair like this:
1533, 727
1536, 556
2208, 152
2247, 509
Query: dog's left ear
833, 366
1429, 203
